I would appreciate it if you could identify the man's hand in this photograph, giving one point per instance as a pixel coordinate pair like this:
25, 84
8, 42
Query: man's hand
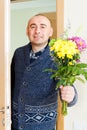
67, 93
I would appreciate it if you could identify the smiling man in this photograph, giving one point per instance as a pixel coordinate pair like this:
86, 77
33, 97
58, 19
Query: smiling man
34, 97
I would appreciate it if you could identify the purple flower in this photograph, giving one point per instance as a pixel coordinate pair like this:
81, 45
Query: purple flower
81, 44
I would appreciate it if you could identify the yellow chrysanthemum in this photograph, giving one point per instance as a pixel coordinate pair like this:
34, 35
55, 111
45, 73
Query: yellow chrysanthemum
61, 55
70, 63
64, 48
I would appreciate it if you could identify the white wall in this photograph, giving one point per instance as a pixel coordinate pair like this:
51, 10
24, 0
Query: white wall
75, 14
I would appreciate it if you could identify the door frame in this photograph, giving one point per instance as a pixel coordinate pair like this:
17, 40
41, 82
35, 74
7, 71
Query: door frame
60, 29
7, 65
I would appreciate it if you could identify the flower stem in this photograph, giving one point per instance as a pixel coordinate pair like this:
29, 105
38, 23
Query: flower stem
64, 108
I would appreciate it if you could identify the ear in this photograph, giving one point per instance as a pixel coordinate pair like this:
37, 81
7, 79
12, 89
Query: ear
51, 32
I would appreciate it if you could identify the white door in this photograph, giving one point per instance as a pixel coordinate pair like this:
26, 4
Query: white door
5, 113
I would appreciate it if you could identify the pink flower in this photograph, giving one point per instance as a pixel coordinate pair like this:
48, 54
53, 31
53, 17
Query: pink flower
81, 44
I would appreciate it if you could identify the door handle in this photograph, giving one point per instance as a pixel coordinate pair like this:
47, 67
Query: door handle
2, 110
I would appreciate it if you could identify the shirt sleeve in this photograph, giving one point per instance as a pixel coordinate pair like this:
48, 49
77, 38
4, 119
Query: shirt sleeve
74, 99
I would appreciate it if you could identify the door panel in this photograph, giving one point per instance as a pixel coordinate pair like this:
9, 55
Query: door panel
52, 18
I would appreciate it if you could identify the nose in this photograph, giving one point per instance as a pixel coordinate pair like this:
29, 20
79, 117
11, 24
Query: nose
37, 30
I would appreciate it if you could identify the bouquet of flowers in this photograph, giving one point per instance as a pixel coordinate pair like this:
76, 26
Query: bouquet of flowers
66, 55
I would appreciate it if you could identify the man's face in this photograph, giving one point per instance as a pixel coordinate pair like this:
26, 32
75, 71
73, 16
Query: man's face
39, 30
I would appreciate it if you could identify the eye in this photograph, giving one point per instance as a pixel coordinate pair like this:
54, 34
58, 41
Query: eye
43, 26
33, 26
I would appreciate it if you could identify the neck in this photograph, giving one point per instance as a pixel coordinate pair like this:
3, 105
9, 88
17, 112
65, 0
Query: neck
38, 48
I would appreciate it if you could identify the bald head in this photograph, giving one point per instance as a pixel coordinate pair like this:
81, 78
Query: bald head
39, 16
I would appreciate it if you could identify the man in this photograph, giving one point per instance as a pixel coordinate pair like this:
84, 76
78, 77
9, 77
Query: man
34, 97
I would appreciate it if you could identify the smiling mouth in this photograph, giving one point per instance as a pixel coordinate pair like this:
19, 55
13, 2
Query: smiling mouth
37, 37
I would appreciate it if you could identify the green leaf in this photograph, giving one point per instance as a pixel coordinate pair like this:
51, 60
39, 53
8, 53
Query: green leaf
80, 79
81, 65
52, 42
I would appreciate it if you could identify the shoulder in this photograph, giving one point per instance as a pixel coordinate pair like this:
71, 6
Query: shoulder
22, 48
21, 52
